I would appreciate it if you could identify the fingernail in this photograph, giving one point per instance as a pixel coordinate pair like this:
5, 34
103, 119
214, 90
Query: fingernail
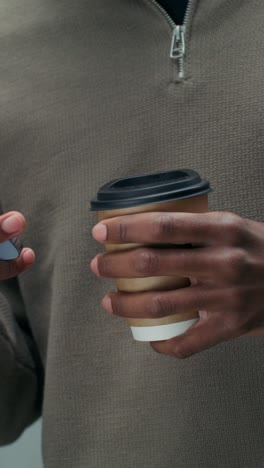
12, 224
94, 266
107, 304
29, 256
100, 232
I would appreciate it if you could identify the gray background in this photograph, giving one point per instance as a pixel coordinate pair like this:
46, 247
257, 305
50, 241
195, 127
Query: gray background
25, 452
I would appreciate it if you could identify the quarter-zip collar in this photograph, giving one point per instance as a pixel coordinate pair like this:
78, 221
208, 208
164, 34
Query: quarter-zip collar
178, 49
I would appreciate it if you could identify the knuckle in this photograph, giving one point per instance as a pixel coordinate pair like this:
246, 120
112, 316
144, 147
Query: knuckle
232, 321
233, 226
237, 317
182, 351
238, 264
117, 305
162, 306
148, 262
104, 264
235, 325
163, 227
122, 232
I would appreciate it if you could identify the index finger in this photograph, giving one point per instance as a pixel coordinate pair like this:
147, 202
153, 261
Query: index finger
167, 228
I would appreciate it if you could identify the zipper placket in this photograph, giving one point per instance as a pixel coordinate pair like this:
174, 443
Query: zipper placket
178, 48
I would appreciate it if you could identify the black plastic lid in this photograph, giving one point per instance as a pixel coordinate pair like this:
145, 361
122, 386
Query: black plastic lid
149, 188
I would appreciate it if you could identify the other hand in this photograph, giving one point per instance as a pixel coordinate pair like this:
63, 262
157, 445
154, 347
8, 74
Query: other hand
12, 224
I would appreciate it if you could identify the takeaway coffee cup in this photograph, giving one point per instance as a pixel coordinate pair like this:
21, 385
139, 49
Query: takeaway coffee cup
180, 190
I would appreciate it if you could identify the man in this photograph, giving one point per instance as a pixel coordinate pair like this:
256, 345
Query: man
92, 91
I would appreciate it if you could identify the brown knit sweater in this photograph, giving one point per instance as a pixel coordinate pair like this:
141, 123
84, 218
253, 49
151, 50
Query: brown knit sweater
89, 93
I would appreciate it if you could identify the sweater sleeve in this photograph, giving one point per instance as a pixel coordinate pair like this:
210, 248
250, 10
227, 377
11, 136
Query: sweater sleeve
21, 376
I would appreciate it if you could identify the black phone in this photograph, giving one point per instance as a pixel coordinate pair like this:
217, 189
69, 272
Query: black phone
10, 249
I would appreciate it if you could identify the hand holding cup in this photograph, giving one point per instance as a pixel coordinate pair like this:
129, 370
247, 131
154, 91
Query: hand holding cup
225, 267
228, 266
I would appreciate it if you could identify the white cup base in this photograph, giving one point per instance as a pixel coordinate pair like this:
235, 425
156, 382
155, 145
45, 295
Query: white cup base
161, 332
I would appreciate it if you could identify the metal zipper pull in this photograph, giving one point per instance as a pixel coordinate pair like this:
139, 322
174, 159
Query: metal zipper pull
177, 50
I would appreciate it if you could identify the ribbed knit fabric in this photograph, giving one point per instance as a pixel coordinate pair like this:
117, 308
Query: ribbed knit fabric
88, 93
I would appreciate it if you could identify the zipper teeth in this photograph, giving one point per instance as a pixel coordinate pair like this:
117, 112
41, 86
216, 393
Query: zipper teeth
187, 12
164, 12
168, 17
